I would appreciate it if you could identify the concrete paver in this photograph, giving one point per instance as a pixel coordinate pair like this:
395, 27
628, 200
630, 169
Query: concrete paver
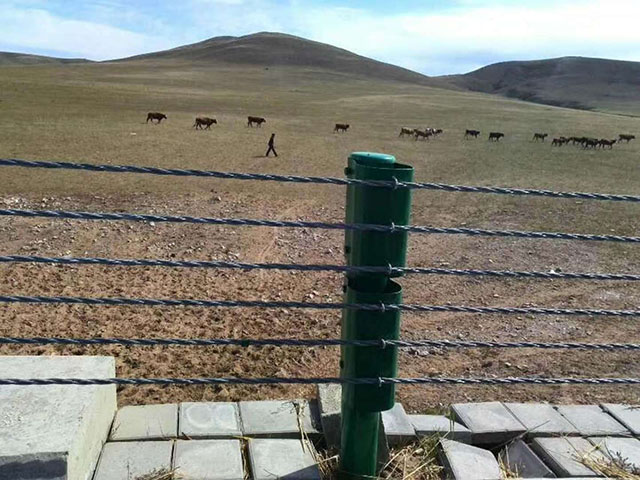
430, 425
145, 422
330, 406
397, 426
619, 447
208, 459
128, 460
562, 455
54, 431
628, 415
541, 419
521, 461
209, 420
465, 462
279, 418
282, 459
591, 420
489, 422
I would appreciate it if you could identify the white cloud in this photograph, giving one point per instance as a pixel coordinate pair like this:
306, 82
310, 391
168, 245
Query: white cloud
467, 35
443, 42
39, 30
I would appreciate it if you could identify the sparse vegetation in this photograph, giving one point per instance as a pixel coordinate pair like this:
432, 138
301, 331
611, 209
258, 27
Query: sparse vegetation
89, 113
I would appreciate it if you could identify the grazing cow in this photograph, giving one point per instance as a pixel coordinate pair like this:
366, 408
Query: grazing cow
627, 138
157, 116
606, 143
422, 134
590, 143
558, 142
341, 127
438, 131
257, 120
204, 123
539, 136
574, 140
471, 133
406, 131
495, 136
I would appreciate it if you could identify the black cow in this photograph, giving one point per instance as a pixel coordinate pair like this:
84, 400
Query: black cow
157, 116
539, 136
257, 120
204, 123
341, 127
471, 133
495, 136
625, 137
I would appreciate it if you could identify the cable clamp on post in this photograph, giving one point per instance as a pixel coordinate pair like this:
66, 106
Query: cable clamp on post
380, 382
396, 184
390, 270
393, 228
383, 307
383, 343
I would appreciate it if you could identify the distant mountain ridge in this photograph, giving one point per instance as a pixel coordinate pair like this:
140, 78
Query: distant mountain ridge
11, 58
574, 82
270, 49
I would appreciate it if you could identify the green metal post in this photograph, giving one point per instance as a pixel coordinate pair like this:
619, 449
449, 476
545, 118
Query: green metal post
362, 404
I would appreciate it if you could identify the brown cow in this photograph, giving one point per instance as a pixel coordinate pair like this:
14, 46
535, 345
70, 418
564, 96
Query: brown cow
157, 116
422, 134
606, 143
406, 131
204, 123
539, 136
257, 120
627, 138
341, 127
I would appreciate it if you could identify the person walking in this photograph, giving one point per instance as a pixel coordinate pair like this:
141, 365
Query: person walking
271, 145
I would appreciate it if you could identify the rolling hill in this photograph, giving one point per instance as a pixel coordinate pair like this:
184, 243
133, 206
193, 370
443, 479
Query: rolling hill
574, 82
11, 58
277, 49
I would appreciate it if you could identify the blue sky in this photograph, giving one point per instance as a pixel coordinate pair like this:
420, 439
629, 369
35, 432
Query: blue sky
430, 36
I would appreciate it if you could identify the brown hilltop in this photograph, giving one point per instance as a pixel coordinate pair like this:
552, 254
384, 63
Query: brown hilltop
576, 82
277, 49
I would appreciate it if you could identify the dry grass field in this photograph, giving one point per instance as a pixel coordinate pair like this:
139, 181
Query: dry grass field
95, 113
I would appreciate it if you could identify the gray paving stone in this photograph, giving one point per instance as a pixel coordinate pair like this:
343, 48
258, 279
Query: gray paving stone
431, 425
330, 406
209, 420
54, 431
628, 415
591, 420
620, 447
541, 419
465, 462
282, 459
489, 422
128, 460
397, 427
145, 422
208, 459
279, 418
562, 455
521, 460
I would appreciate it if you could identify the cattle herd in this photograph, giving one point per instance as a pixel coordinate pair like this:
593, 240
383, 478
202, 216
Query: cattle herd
204, 123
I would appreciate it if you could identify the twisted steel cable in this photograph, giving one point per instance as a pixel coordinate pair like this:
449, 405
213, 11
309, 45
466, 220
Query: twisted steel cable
13, 162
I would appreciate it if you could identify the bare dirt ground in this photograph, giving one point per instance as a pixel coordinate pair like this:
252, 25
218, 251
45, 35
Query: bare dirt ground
98, 129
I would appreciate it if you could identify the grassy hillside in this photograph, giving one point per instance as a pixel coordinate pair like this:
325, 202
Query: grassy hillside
575, 82
9, 59
96, 112
269, 50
